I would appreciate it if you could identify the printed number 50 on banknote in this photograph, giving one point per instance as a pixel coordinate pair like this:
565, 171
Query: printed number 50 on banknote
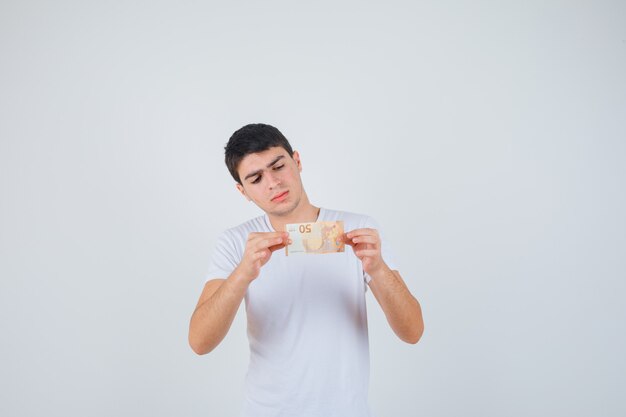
318, 237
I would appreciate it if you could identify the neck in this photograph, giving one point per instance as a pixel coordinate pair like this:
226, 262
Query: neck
304, 213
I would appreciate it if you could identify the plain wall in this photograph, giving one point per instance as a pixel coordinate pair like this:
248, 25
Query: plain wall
487, 139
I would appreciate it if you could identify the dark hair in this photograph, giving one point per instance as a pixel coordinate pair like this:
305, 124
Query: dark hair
249, 139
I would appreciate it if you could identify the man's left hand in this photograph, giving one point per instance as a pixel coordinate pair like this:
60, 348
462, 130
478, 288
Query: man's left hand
366, 246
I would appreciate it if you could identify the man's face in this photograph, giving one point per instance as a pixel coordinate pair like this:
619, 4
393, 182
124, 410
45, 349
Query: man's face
271, 179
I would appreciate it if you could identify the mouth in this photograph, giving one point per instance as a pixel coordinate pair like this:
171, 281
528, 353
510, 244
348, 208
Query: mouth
281, 196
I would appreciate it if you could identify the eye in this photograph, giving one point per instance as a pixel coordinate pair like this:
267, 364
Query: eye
279, 167
256, 181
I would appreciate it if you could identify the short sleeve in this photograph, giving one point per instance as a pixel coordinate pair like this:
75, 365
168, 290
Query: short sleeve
224, 258
386, 251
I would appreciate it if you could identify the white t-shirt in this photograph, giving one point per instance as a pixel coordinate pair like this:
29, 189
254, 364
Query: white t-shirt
307, 325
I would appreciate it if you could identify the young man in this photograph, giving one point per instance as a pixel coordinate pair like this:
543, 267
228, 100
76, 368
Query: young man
307, 322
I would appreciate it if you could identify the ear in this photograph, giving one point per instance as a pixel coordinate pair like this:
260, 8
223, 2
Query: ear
242, 191
296, 157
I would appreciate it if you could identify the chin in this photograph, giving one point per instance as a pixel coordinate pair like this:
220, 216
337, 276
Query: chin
288, 208
283, 211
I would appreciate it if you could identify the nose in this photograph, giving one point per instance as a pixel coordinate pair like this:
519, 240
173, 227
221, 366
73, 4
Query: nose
273, 180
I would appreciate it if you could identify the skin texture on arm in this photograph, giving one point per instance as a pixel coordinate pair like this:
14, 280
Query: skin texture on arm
402, 310
221, 298
215, 312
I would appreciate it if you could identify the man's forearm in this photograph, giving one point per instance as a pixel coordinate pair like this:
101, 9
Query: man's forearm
402, 310
212, 319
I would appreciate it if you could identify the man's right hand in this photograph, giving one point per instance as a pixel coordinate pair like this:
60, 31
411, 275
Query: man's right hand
221, 297
259, 248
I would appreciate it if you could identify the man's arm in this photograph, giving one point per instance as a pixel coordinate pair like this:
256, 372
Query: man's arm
215, 312
221, 298
402, 310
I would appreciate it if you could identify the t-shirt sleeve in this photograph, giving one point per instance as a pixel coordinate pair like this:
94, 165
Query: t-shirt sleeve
385, 248
224, 258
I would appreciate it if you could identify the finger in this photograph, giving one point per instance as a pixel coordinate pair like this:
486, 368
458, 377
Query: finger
345, 239
360, 232
374, 240
266, 243
270, 235
262, 255
277, 247
266, 235
366, 252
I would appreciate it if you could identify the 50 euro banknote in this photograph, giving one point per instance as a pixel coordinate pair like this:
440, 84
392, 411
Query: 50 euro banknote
318, 237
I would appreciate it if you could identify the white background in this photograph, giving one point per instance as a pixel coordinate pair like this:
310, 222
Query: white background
487, 138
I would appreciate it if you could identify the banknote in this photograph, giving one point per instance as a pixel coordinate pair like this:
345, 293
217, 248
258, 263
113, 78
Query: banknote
318, 237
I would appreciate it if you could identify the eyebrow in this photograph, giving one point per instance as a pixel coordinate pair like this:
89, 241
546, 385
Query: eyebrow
257, 172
